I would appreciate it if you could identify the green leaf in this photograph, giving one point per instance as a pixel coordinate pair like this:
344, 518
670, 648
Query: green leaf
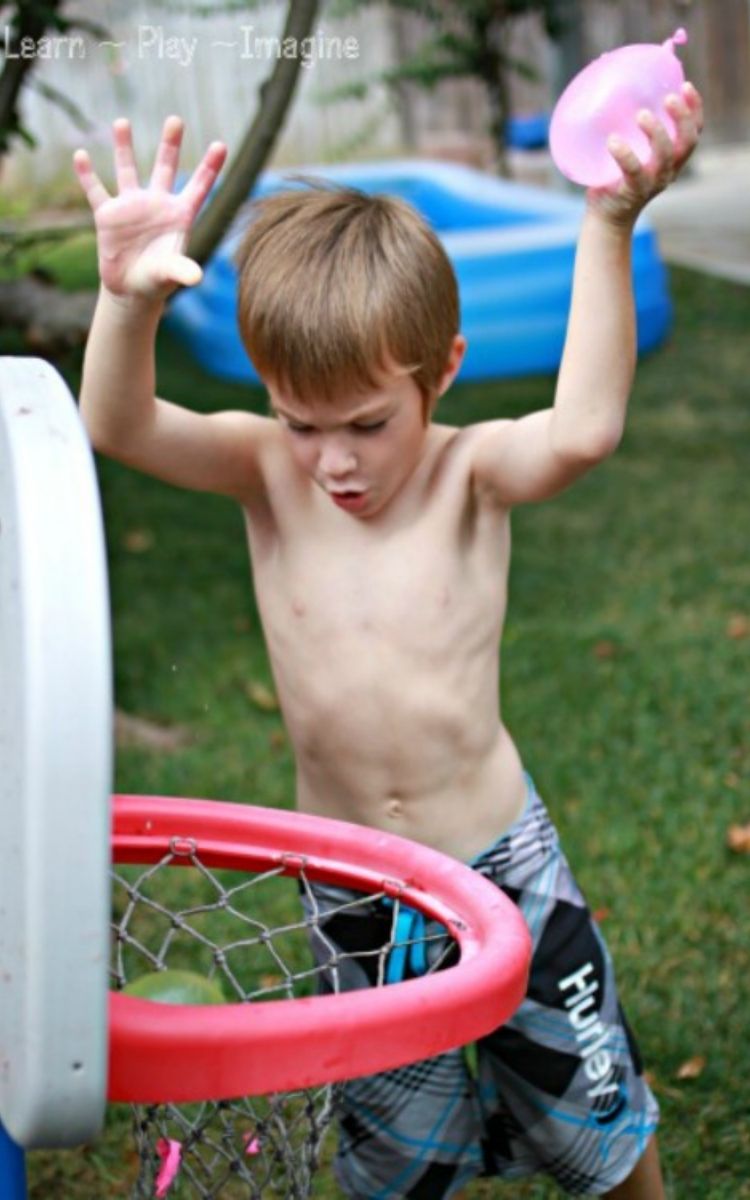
357, 90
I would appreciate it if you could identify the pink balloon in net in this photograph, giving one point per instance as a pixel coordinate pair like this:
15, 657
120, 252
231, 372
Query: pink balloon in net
605, 98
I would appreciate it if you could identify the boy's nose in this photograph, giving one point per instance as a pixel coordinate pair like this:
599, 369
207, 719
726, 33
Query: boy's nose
337, 460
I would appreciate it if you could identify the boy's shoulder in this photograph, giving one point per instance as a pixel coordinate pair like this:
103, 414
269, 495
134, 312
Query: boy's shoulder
456, 452
462, 443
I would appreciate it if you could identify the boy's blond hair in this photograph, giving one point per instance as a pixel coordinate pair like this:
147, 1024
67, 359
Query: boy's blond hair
336, 286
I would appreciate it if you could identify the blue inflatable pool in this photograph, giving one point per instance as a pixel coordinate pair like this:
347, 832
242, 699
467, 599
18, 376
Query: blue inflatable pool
512, 248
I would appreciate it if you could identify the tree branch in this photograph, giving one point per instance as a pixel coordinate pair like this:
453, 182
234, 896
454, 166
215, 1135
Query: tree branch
275, 97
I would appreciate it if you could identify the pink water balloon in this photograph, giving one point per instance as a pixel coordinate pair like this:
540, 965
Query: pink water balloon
605, 98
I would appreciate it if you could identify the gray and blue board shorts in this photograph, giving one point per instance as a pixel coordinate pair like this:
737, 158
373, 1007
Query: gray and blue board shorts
559, 1089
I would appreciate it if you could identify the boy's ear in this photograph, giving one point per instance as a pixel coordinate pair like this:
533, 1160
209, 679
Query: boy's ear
453, 363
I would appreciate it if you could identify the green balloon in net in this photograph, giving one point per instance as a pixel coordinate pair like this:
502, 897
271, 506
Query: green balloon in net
176, 987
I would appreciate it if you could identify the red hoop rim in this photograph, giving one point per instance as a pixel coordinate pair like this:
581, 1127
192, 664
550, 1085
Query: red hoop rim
183, 1053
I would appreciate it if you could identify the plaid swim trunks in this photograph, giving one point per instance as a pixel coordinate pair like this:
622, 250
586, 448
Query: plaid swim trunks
559, 1089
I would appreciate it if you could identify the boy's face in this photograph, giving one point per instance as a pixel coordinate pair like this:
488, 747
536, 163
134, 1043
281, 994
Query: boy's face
359, 451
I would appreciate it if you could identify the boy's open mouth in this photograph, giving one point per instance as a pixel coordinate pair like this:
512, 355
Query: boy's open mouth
349, 499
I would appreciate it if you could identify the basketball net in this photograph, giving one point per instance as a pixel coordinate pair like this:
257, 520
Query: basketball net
210, 922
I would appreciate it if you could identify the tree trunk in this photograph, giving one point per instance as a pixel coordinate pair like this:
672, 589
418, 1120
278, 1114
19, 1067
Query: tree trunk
275, 98
490, 32
33, 19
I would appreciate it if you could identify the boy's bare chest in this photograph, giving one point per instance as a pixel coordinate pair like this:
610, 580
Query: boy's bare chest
409, 589
384, 592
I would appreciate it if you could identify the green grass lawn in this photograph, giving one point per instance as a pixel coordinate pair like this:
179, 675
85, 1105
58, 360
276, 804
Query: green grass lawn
625, 683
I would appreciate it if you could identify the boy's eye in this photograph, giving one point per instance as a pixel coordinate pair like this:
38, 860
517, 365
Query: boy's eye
297, 427
370, 428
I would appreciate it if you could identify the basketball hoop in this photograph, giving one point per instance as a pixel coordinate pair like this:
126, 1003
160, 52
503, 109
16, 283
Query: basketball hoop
245, 1089
196, 1052
227, 1096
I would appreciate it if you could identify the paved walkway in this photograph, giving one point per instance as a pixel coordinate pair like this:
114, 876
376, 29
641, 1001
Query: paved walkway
703, 220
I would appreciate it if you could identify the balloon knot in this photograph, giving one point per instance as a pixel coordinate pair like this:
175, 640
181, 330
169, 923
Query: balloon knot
678, 38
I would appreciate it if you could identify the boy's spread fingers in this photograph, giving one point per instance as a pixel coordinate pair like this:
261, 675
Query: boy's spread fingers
125, 168
202, 180
167, 155
94, 189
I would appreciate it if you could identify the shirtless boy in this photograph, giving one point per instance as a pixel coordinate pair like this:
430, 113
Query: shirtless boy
380, 545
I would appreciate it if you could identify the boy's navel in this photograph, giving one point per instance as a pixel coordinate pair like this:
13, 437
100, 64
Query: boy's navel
394, 806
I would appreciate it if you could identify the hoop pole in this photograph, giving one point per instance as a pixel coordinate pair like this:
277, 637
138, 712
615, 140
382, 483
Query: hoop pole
55, 765
12, 1168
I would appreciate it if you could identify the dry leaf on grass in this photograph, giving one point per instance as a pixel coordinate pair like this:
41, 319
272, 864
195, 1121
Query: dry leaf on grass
136, 731
271, 981
605, 650
692, 1069
262, 697
738, 838
662, 1089
738, 626
138, 541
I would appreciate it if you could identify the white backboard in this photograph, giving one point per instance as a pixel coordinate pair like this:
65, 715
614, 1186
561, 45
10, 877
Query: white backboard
55, 765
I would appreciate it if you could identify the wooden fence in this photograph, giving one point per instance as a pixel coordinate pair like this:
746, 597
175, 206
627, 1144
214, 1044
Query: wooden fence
156, 61
209, 69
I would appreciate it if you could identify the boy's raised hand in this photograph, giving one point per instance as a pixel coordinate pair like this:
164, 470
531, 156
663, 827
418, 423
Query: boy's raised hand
622, 202
141, 232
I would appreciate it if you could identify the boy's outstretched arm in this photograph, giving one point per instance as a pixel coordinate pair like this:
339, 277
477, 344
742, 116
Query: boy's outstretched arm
539, 455
141, 236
